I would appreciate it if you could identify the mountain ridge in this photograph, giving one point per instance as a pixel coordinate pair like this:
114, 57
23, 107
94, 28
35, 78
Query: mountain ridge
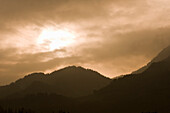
135, 93
165, 53
148, 91
71, 81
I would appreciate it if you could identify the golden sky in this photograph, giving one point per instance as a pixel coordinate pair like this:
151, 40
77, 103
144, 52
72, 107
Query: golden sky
113, 37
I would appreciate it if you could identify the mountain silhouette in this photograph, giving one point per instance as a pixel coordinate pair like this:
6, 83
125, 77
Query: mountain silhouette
71, 81
147, 92
165, 53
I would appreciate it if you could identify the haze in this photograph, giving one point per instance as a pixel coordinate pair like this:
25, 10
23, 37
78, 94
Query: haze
113, 37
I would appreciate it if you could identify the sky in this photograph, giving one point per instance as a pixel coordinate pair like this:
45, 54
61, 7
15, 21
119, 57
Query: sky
113, 37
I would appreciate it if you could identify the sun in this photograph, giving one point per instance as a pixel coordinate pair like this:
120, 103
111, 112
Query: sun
52, 39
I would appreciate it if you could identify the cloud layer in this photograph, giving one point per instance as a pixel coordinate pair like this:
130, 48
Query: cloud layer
113, 37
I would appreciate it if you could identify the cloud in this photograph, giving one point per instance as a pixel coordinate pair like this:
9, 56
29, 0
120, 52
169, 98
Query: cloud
123, 53
21, 13
113, 36
14, 64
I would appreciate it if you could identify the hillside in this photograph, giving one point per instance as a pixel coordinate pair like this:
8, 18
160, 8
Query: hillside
135, 93
165, 53
71, 81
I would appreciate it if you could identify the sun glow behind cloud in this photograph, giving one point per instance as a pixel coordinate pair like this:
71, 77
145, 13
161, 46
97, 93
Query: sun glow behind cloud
113, 37
52, 39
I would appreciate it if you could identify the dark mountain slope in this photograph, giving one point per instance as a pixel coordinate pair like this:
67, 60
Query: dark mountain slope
70, 81
165, 53
147, 92
135, 93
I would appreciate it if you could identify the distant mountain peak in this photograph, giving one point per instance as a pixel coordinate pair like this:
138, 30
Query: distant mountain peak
35, 74
164, 54
73, 67
76, 69
71, 81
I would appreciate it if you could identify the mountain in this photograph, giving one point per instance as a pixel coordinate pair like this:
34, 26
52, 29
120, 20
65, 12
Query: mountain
147, 92
165, 53
71, 81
